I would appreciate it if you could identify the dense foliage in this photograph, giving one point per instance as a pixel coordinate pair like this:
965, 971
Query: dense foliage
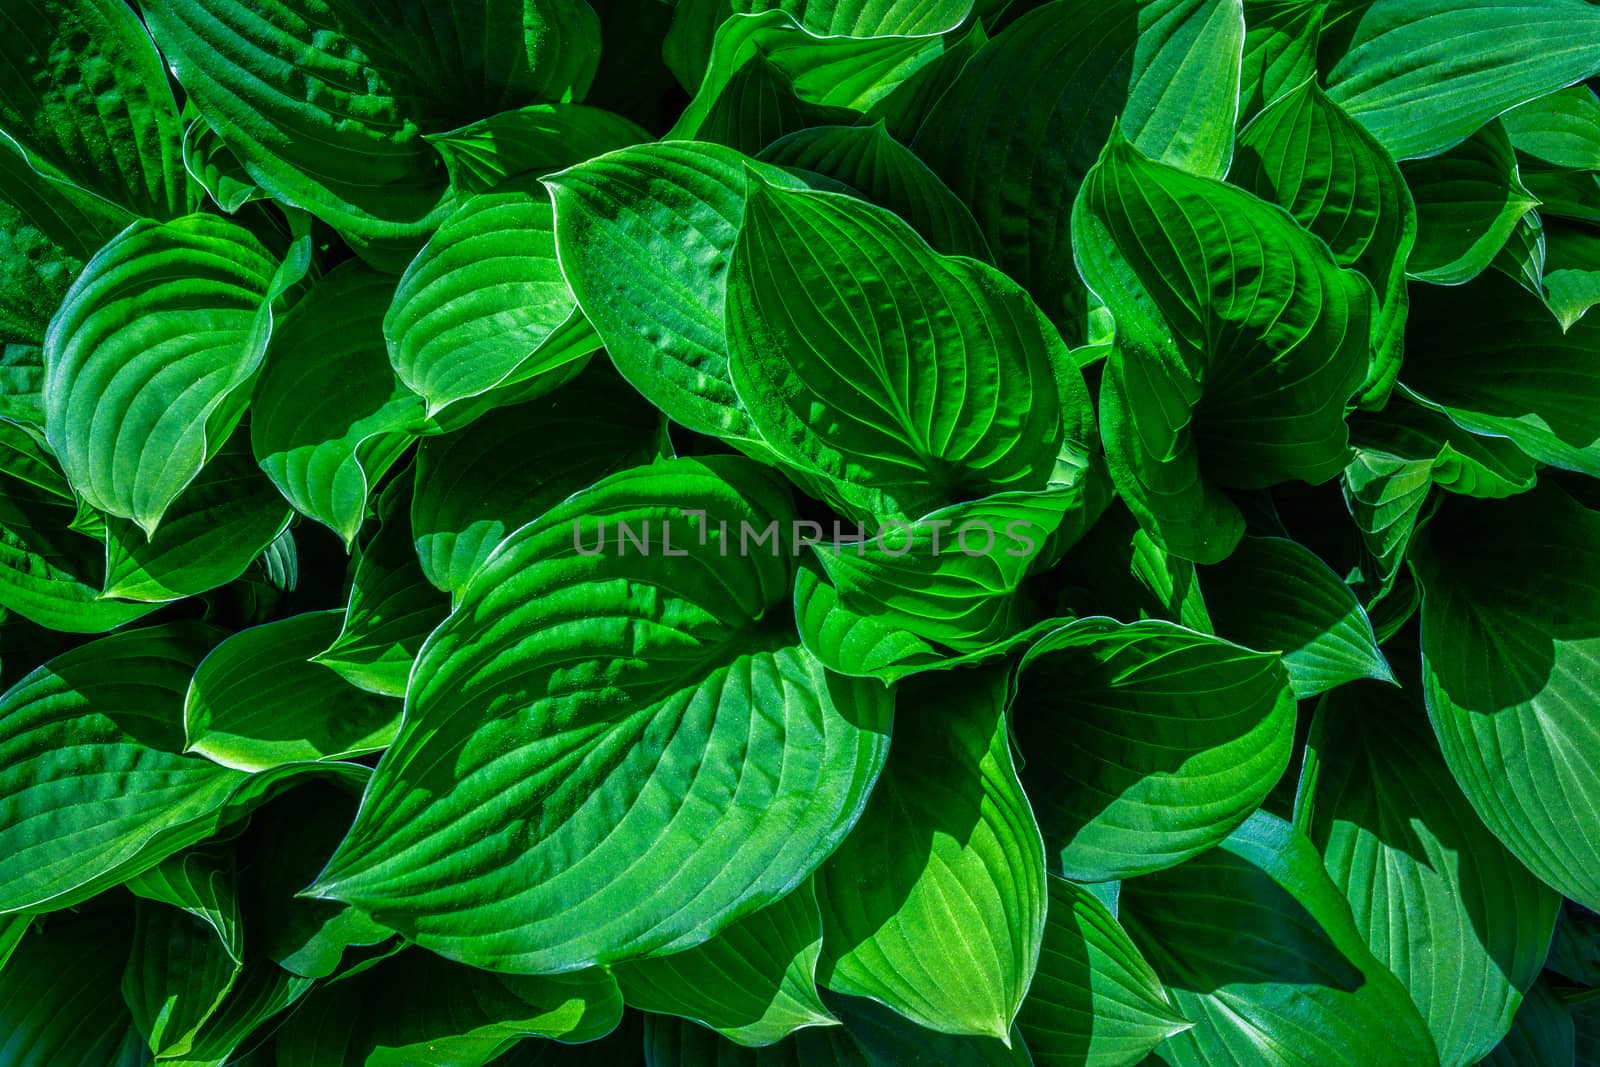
820, 533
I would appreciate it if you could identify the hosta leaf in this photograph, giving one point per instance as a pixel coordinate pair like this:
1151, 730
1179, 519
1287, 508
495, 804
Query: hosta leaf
693, 691
484, 303
887, 1039
200, 883
1562, 129
1468, 199
325, 103
84, 100
907, 106
1442, 904
935, 903
1275, 595
755, 982
177, 975
209, 535
877, 168
1385, 495
418, 1009
12, 927
392, 607
59, 998
1463, 462
537, 139
853, 643
1509, 617
1305, 153
1221, 303
1566, 194
1498, 364
674, 1042
1124, 574
1146, 743
664, 216
262, 991
1258, 949
755, 106
1085, 62
859, 352
328, 416
1280, 49
258, 701
215, 167
1541, 1033
1094, 1000
1422, 75
101, 725
1572, 274
1523, 256
22, 383
465, 504
148, 361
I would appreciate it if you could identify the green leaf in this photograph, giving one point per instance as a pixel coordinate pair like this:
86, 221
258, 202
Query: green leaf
1422, 75
484, 303
100, 724
1239, 340
1572, 274
859, 354
1439, 900
537, 139
1562, 129
874, 166
1523, 256
59, 997
176, 977
1468, 199
1085, 62
263, 991
325, 103
935, 903
887, 1040
664, 329
1509, 584
1497, 364
1124, 574
209, 535
1305, 153
1275, 595
1094, 1000
1463, 462
692, 690
85, 103
1280, 50
756, 105
326, 447
1118, 790
21, 383
417, 1009
1258, 948
467, 502
755, 982
1566, 194
259, 701
1541, 1033
907, 106
215, 167
149, 360
674, 1042
201, 883
392, 607
1385, 495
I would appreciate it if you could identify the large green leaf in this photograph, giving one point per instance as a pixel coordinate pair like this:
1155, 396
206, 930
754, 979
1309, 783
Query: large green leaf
325, 103
1280, 50
876, 167
148, 361
1385, 495
59, 998
1258, 949
468, 499
1170, 68
484, 304
1462, 462
1468, 199
1541, 1033
416, 1010
908, 380
258, 701
755, 982
85, 104
1239, 341
210, 534
935, 903
1562, 129
664, 216
1422, 75
1306, 153
1276, 595
201, 883
178, 973
329, 416
101, 725
1497, 364
1094, 1001
578, 709
392, 607
1438, 899
1510, 633
757, 105
1146, 743
537, 139
1572, 271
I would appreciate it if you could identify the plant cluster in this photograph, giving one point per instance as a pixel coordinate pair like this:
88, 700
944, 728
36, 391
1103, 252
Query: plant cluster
799, 533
